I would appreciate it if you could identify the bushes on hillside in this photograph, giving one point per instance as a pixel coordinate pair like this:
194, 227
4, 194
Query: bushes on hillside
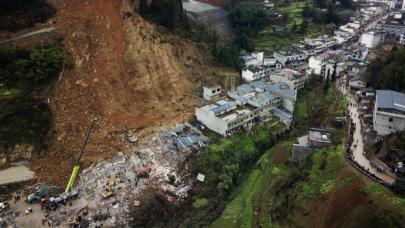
19, 14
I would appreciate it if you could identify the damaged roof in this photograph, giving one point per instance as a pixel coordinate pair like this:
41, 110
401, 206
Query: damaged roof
174, 132
184, 141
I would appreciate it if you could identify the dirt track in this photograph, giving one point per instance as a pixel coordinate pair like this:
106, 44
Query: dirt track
126, 73
13, 174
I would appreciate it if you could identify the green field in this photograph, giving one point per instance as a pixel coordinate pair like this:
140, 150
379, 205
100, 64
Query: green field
268, 39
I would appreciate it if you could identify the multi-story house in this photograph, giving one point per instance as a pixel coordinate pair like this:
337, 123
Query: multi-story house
389, 112
317, 63
211, 91
293, 79
288, 56
253, 73
372, 39
359, 54
254, 58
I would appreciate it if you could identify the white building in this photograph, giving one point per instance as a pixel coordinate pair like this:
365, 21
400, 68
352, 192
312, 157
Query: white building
358, 68
254, 58
339, 68
390, 3
226, 117
358, 82
398, 15
402, 39
211, 91
253, 73
359, 54
318, 63
288, 56
320, 44
389, 112
268, 5
372, 39
294, 79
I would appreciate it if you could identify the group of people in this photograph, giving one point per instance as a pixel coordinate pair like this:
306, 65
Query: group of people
28, 210
349, 152
16, 199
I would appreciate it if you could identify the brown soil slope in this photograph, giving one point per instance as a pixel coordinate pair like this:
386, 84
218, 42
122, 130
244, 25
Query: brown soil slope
126, 73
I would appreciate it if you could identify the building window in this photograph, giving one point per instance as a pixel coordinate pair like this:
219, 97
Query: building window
213, 91
218, 90
389, 127
391, 119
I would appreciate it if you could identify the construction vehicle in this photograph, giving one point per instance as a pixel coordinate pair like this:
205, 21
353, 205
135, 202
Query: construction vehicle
77, 167
77, 220
39, 193
107, 193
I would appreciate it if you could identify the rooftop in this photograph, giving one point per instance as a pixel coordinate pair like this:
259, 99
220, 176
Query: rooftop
247, 87
324, 55
258, 84
359, 66
211, 86
223, 107
389, 99
266, 94
366, 90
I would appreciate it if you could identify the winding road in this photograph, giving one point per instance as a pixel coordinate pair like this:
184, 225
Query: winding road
358, 152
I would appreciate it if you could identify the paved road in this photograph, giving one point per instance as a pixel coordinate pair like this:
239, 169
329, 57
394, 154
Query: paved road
358, 152
37, 32
13, 174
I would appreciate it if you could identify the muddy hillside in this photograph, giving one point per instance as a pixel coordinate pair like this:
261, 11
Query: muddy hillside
127, 72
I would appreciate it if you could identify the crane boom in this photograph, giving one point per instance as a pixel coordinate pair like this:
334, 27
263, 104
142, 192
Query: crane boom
77, 167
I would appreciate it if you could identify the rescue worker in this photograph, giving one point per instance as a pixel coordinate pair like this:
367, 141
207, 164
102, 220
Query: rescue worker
26, 211
30, 209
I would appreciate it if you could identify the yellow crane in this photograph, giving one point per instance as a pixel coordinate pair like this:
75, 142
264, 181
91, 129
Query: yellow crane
108, 193
75, 221
77, 167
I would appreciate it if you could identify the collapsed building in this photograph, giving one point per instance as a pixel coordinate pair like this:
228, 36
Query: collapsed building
111, 189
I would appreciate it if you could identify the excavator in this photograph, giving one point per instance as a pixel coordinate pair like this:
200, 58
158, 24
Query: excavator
38, 194
77, 220
109, 192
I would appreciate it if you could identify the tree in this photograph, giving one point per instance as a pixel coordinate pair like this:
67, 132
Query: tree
294, 27
333, 77
326, 86
399, 185
143, 8
214, 46
385, 220
304, 25
229, 176
285, 17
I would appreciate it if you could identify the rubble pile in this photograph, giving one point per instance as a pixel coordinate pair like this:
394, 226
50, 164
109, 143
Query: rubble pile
159, 165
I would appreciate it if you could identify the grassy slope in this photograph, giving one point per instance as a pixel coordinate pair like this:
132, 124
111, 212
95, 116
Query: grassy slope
328, 176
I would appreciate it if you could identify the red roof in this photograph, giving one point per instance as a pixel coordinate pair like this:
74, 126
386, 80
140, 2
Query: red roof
324, 55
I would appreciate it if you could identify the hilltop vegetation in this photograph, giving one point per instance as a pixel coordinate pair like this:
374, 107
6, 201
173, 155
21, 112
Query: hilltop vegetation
25, 74
388, 73
19, 14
